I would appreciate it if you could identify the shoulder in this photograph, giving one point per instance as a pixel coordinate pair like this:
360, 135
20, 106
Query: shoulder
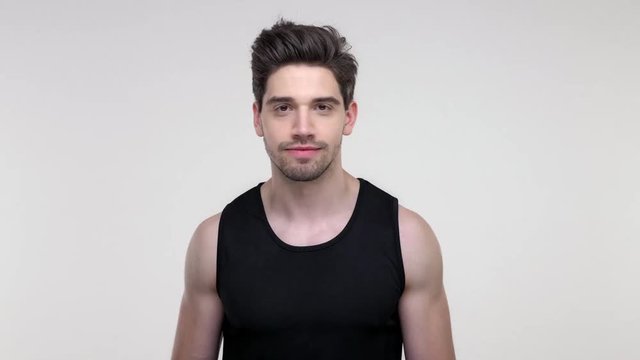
421, 254
207, 230
200, 267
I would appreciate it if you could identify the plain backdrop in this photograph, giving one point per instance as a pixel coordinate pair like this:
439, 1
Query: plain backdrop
512, 127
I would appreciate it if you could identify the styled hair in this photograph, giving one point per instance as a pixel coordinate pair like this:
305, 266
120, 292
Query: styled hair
289, 43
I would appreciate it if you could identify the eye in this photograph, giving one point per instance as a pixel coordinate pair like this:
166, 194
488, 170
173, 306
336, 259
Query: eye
324, 107
282, 108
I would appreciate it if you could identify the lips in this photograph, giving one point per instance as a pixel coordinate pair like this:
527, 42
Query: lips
303, 148
303, 152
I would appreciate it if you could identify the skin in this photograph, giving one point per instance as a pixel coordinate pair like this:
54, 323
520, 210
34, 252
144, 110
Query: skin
298, 109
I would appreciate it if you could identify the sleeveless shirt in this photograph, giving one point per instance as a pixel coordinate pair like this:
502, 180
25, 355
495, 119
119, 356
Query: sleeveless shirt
334, 300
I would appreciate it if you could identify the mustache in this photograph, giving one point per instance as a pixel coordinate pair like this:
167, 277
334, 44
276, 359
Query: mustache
286, 145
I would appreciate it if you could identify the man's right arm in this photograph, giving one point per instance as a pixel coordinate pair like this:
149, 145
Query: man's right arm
201, 313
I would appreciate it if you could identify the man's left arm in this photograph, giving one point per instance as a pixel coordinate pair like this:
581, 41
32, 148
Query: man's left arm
423, 308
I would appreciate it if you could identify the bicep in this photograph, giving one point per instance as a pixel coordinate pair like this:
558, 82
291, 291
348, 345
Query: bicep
201, 311
426, 326
199, 326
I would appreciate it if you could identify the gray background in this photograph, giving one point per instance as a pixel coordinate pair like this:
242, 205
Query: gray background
513, 127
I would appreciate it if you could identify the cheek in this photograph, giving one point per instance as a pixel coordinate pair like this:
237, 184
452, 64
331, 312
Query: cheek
271, 131
337, 131
273, 136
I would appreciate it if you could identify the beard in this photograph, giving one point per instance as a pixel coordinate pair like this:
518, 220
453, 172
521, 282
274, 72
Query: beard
303, 169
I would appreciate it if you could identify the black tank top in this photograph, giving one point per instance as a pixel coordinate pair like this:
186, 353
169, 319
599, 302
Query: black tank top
335, 300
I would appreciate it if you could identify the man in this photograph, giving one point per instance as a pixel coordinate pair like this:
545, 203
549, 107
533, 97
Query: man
313, 263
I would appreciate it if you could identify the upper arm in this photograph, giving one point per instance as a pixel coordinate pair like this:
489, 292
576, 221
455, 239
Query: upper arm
201, 312
423, 308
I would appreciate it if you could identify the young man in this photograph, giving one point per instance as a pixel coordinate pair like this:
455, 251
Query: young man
313, 263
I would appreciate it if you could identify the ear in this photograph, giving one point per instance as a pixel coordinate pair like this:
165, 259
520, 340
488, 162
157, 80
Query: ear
257, 120
350, 118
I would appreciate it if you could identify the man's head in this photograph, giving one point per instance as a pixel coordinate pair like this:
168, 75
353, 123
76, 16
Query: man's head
288, 43
303, 81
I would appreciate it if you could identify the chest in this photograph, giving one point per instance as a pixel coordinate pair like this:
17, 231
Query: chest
275, 289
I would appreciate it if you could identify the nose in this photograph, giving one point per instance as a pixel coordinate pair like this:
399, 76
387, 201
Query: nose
303, 124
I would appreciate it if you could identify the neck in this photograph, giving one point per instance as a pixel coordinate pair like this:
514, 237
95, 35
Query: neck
304, 201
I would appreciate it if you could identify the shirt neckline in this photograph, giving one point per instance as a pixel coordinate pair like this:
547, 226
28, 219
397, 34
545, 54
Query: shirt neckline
305, 248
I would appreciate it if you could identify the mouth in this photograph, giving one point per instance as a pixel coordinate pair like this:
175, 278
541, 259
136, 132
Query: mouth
303, 152
303, 148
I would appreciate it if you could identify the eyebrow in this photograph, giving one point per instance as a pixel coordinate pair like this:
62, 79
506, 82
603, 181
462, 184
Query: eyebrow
278, 99
327, 99
288, 99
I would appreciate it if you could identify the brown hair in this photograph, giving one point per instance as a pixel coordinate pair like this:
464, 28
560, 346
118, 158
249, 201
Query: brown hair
289, 43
